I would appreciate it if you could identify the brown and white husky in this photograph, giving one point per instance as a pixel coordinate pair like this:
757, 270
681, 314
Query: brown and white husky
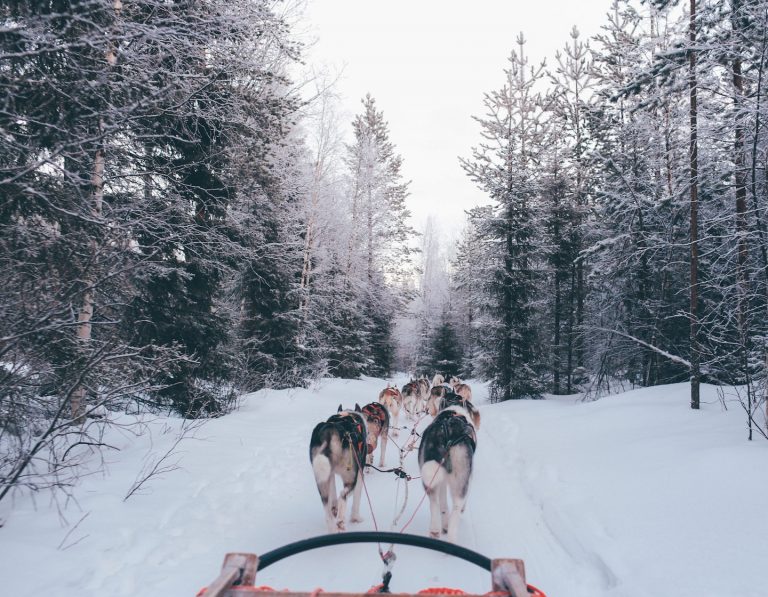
392, 400
377, 422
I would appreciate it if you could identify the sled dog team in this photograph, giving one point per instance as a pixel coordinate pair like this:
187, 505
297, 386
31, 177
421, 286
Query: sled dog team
345, 443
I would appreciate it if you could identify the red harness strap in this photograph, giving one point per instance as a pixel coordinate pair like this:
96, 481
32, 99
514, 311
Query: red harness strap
376, 411
353, 428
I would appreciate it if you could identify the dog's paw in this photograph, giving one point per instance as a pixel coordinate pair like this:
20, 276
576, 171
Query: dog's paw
341, 526
434, 534
356, 519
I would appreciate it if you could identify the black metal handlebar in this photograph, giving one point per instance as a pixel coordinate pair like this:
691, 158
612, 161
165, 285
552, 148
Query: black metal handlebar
292, 549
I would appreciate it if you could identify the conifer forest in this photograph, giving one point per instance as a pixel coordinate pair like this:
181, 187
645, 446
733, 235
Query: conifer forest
183, 221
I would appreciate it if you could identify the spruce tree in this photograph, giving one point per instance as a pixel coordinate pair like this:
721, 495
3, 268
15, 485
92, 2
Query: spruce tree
504, 167
379, 257
445, 354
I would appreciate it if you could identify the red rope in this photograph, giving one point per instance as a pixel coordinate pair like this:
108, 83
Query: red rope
392, 439
421, 501
410, 444
365, 488
370, 505
412, 441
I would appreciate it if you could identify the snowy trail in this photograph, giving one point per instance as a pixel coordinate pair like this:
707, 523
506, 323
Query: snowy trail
594, 497
526, 524
498, 523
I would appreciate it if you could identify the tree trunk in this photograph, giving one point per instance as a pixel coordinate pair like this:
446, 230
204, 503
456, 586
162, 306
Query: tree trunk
306, 268
758, 219
740, 182
557, 365
85, 315
509, 322
569, 327
694, 201
580, 211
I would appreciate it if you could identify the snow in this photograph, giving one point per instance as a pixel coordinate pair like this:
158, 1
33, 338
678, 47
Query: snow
631, 495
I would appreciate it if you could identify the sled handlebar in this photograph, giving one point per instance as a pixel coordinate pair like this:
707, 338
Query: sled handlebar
286, 551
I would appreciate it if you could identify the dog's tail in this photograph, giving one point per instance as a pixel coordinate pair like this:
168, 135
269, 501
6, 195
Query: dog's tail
432, 474
322, 439
321, 466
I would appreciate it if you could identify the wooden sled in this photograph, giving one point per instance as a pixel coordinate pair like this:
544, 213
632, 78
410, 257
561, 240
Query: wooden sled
238, 573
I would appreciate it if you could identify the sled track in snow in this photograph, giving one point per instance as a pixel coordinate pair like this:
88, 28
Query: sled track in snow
544, 534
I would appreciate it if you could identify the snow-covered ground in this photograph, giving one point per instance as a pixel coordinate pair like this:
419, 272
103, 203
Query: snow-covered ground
632, 495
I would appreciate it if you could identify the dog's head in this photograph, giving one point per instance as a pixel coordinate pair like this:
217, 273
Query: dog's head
438, 391
464, 391
357, 409
452, 401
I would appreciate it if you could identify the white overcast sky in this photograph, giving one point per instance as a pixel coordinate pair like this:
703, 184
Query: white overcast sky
427, 64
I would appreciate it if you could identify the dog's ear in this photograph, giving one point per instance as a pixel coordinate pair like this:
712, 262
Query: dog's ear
340, 409
357, 408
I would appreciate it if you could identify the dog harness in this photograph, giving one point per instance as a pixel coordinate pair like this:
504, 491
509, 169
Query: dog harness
456, 428
375, 412
352, 431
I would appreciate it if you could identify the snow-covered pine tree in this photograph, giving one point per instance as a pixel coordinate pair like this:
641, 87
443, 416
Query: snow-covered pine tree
641, 202
504, 166
137, 107
207, 157
443, 353
565, 194
432, 299
379, 257
338, 314
333, 321
731, 63
58, 257
476, 260
275, 347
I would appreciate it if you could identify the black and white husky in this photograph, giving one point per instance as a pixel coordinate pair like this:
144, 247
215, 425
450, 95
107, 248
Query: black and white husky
441, 397
445, 459
339, 447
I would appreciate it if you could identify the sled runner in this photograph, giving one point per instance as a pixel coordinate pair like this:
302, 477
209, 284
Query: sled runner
238, 574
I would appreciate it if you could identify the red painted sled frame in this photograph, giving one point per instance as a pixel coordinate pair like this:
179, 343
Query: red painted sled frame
238, 573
